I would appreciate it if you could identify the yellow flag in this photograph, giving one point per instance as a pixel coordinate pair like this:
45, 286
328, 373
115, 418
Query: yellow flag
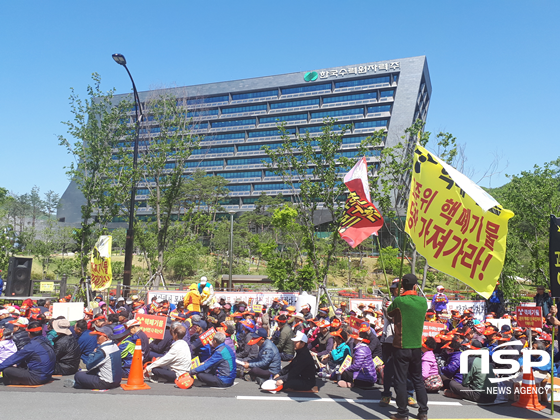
455, 225
101, 273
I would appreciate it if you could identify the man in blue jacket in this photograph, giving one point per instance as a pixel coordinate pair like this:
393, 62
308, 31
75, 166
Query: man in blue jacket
104, 369
39, 357
86, 340
268, 363
220, 369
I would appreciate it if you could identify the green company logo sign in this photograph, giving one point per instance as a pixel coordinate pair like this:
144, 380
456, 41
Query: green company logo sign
310, 76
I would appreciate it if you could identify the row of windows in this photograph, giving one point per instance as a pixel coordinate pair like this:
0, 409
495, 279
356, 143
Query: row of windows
249, 174
244, 109
292, 104
275, 186
204, 163
354, 97
213, 150
270, 133
337, 113
256, 161
290, 91
233, 123
362, 82
366, 124
293, 117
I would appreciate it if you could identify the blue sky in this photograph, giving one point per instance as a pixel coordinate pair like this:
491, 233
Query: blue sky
493, 65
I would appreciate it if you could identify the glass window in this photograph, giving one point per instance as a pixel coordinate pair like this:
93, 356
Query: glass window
294, 172
306, 88
243, 109
355, 97
334, 113
293, 117
365, 124
233, 123
256, 161
395, 78
249, 148
292, 104
204, 163
249, 200
252, 95
234, 201
203, 113
239, 187
269, 133
362, 82
227, 136
209, 100
387, 93
318, 129
273, 186
212, 150
196, 126
169, 165
248, 174
142, 191
381, 108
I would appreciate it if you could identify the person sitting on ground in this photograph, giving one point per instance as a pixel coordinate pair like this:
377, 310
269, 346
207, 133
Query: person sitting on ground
216, 315
299, 374
5, 318
104, 368
474, 384
361, 373
20, 336
127, 344
86, 341
336, 357
268, 361
38, 357
220, 369
246, 351
229, 327
66, 349
430, 370
198, 349
159, 347
285, 344
451, 370
134, 329
324, 343
7, 345
175, 362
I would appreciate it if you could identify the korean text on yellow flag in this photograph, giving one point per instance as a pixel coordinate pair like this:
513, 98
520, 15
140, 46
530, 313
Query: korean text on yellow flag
455, 225
101, 274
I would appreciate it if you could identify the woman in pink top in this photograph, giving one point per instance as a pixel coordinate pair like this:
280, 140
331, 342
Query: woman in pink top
430, 371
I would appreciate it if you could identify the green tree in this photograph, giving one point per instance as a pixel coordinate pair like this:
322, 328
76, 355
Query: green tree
161, 170
313, 167
51, 202
533, 196
101, 167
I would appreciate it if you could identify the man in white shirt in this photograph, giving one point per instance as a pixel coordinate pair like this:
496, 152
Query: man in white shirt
175, 362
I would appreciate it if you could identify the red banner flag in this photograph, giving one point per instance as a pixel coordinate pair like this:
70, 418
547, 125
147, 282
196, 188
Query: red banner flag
361, 218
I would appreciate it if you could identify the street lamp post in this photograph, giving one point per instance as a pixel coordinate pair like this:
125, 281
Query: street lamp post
119, 58
230, 282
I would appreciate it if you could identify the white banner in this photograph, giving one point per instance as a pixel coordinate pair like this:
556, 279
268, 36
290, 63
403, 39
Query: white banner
174, 296
72, 311
477, 306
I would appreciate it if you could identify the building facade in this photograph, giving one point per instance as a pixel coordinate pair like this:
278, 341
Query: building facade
236, 119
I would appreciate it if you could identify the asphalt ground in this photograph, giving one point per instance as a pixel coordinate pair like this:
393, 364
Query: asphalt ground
242, 401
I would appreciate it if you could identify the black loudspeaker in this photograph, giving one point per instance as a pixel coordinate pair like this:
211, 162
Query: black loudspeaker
19, 277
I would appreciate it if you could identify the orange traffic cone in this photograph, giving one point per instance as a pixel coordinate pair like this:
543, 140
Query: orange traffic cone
529, 398
136, 375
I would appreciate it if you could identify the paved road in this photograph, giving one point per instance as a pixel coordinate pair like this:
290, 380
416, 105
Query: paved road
240, 402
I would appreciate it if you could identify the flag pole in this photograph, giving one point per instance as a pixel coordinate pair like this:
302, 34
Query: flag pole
383, 265
552, 374
402, 262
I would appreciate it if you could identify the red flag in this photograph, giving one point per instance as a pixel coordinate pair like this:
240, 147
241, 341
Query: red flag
361, 218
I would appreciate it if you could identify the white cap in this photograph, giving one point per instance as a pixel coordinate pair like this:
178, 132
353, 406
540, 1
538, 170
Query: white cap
159, 300
300, 337
4, 312
216, 305
121, 299
22, 321
203, 279
299, 315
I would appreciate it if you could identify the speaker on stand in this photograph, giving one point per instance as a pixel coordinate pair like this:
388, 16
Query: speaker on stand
19, 277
